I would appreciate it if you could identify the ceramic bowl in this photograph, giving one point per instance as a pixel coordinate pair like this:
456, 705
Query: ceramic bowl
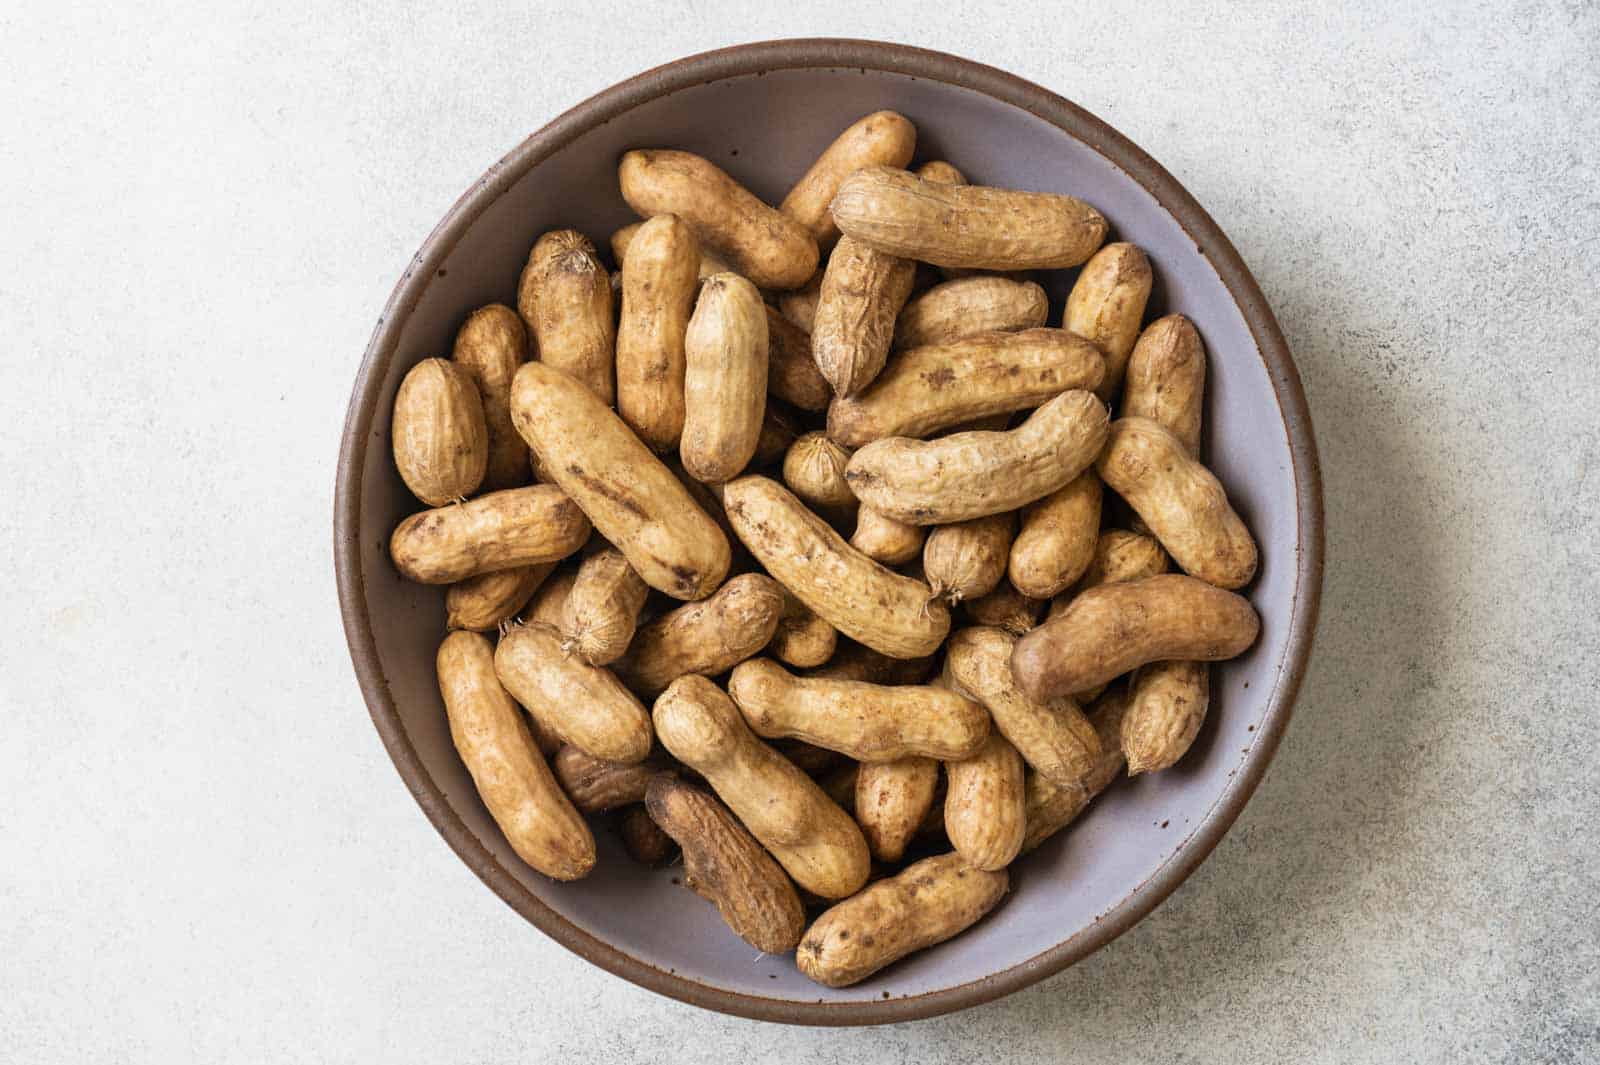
763, 112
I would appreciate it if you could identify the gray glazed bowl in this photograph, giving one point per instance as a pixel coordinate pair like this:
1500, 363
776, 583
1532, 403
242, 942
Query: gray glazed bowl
763, 112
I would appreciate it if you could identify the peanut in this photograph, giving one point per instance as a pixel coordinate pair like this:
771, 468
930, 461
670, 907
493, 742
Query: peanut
1113, 628
941, 172
489, 347
1054, 737
966, 225
891, 799
803, 639
549, 604
778, 434
1166, 379
658, 293
967, 560
723, 863
565, 297
632, 498
984, 813
511, 776
603, 608
769, 248
971, 475
1058, 538
813, 468
481, 603
585, 705
862, 293
800, 306
870, 723
882, 137
875, 606
885, 540
1181, 501
1106, 305
792, 373
725, 382
967, 306
926, 903
815, 841
1166, 707
643, 839
938, 386
1005, 608
595, 785
707, 637
441, 443
1119, 555
502, 530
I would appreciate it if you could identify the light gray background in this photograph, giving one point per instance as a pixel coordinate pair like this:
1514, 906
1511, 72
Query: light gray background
205, 854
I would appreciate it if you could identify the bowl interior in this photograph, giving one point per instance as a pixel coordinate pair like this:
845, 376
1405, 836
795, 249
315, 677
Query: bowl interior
765, 129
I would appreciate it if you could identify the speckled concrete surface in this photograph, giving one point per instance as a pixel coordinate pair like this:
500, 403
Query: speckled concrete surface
205, 854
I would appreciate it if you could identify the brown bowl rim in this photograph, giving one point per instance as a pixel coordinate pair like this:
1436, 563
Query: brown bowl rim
805, 53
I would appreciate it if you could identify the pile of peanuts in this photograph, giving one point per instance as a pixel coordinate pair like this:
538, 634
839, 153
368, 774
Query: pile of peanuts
650, 510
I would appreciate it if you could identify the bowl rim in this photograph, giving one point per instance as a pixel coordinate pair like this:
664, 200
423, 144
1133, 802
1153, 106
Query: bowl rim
826, 53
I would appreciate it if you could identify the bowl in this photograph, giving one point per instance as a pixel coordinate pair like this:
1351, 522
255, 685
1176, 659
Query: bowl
763, 112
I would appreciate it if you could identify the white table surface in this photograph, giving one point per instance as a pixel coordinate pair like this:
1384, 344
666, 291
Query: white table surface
205, 854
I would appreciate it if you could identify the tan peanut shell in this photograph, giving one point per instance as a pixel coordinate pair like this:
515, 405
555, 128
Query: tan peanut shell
810, 836
792, 373
632, 498
984, 814
585, 705
803, 639
1166, 379
723, 863
867, 722
813, 468
1106, 305
854, 661
602, 608
862, 293
966, 225
549, 604
1054, 737
800, 306
481, 603
595, 785
708, 637
441, 444
778, 434
769, 248
1180, 500
1166, 707
1005, 608
967, 560
707, 263
565, 297
938, 386
644, 840
969, 305
510, 774
928, 902
725, 380
1057, 539
974, 474
1051, 806
502, 530
659, 283
885, 540
873, 605
891, 799
881, 138
1114, 628
941, 172
489, 347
